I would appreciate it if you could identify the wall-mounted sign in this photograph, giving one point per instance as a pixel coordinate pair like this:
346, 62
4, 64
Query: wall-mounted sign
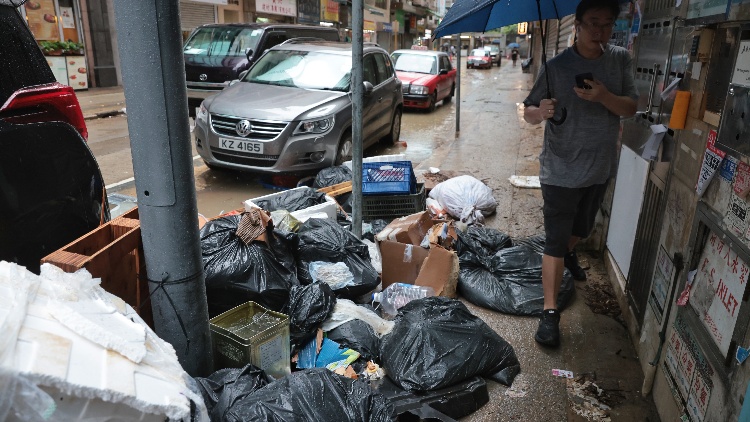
718, 289
308, 11
277, 7
329, 11
711, 162
663, 275
523, 27
741, 75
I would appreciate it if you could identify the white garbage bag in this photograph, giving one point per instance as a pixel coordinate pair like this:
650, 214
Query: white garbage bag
465, 198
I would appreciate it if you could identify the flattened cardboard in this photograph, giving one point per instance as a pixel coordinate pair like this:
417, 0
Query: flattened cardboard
439, 271
401, 262
410, 229
411, 264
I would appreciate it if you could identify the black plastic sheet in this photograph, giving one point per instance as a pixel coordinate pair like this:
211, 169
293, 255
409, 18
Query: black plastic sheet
308, 307
322, 239
225, 387
51, 191
504, 278
293, 200
436, 342
236, 273
313, 395
357, 335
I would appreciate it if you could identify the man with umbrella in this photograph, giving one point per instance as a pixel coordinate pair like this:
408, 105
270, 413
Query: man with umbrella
594, 82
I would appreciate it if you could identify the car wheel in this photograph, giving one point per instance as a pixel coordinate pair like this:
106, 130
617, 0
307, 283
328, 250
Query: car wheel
345, 149
449, 98
395, 134
433, 100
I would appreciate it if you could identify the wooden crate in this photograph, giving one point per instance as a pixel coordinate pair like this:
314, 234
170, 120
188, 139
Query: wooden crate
114, 253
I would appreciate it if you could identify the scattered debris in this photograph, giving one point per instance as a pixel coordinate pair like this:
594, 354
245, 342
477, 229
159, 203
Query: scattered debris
562, 373
518, 389
589, 400
600, 298
525, 181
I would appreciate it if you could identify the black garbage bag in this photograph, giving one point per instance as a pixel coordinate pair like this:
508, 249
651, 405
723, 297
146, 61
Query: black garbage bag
322, 239
293, 200
357, 335
334, 175
376, 226
535, 243
236, 273
505, 279
331, 176
436, 342
225, 387
308, 307
481, 241
315, 394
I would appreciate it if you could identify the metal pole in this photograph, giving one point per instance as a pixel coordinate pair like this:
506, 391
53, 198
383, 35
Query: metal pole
358, 13
153, 71
458, 87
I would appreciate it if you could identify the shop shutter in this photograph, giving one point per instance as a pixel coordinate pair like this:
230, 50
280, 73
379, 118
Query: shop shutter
550, 32
566, 33
193, 15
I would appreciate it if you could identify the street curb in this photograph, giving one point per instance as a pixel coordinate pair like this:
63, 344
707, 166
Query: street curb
103, 114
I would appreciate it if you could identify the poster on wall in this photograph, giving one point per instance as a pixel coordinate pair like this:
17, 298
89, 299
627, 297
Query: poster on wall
66, 16
40, 14
329, 11
718, 289
711, 162
663, 275
707, 8
741, 74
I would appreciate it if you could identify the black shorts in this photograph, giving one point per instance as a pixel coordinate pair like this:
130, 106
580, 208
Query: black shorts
569, 212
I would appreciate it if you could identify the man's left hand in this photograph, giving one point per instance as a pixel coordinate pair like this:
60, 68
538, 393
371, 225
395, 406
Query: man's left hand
596, 94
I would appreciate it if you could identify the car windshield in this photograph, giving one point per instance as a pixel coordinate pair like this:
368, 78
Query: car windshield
478, 52
418, 63
211, 41
302, 69
492, 49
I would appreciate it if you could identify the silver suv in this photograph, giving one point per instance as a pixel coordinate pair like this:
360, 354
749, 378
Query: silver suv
291, 112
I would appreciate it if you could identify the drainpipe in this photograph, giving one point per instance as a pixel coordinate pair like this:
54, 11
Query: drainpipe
648, 380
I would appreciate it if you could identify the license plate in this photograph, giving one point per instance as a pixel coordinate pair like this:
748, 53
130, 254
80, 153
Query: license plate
242, 146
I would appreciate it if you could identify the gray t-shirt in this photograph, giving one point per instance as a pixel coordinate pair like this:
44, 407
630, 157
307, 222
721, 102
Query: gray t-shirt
583, 150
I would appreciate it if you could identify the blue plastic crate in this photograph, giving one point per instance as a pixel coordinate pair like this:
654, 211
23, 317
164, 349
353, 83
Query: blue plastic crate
388, 178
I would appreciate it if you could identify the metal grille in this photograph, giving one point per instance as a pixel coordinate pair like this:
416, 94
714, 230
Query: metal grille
261, 129
658, 5
721, 67
645, 248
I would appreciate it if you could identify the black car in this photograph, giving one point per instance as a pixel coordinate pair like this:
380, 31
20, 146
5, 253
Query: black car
51, 189
216, 54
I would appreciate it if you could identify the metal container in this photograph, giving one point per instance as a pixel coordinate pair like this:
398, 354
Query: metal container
249, 333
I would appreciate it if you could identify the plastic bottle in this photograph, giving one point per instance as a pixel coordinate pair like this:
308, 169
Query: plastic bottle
399, 294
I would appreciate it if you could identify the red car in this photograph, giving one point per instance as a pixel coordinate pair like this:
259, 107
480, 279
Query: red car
479, 57
427, 77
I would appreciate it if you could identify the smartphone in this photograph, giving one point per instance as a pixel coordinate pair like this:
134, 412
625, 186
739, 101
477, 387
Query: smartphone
581, 77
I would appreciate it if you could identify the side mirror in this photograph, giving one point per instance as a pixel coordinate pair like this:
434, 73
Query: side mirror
443, 71
243, 74
248, 53
368, 87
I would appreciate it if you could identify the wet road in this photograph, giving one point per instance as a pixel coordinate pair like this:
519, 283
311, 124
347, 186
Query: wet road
424, 138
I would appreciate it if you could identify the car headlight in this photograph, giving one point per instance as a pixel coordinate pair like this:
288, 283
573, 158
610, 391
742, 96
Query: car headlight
202, 113
419, 90
314, 126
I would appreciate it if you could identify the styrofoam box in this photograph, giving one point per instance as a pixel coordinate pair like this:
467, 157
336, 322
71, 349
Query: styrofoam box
328, 208
379, 158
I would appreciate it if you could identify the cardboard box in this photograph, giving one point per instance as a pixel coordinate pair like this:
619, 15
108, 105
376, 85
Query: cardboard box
411, 264
410, 229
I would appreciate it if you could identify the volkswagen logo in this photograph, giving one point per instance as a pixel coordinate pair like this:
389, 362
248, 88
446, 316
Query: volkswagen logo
243, 128
203, 77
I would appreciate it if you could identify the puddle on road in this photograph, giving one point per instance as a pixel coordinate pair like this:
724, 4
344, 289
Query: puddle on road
223, 191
